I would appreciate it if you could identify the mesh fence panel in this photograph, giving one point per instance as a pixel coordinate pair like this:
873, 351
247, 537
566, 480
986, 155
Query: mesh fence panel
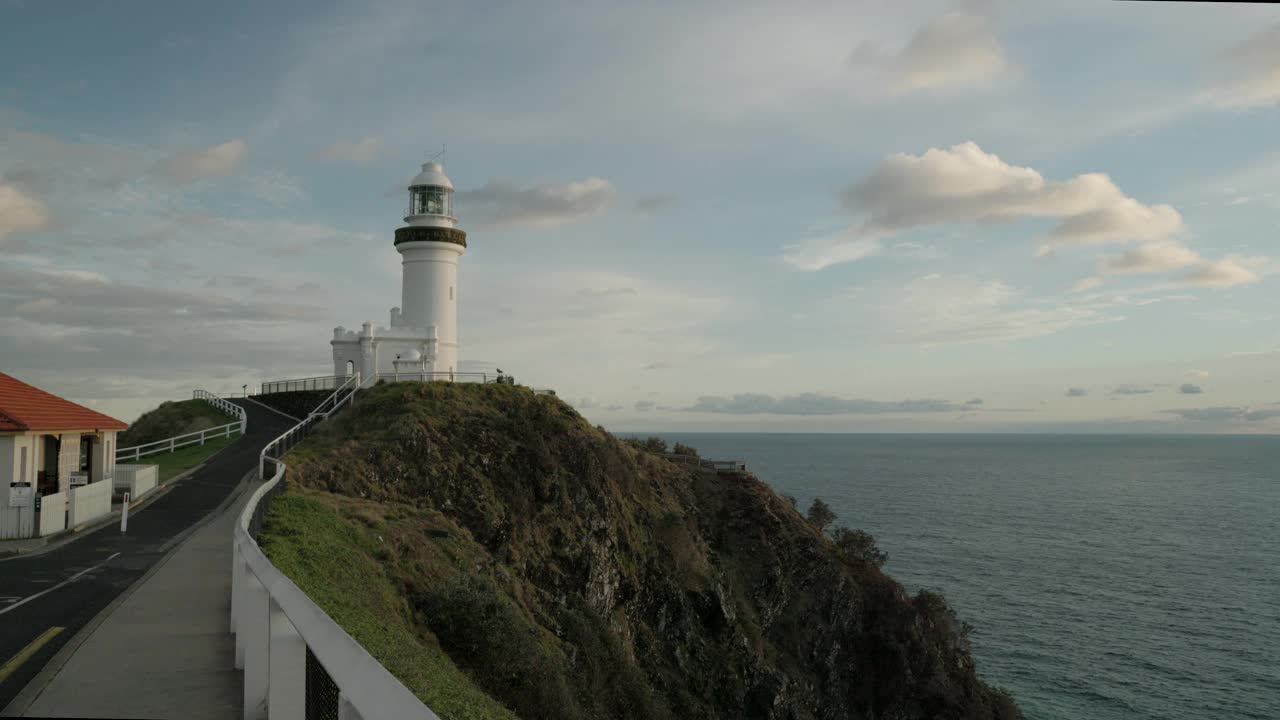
322, 693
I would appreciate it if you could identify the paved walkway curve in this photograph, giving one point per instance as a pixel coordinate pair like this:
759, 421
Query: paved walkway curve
104, 564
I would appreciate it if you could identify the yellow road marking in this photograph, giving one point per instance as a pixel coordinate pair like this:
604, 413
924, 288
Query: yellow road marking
25, 654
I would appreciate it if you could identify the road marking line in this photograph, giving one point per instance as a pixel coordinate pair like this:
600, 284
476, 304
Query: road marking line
25, 653
24, 601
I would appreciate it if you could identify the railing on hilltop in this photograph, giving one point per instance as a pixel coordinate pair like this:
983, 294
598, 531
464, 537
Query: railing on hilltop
471, 377
192, 438
321, 382
297, 661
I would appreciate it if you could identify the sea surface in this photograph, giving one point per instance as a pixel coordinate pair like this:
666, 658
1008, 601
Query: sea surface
1106, 577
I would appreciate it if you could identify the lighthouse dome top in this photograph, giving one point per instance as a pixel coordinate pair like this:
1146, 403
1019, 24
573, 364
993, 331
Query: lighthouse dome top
432, 175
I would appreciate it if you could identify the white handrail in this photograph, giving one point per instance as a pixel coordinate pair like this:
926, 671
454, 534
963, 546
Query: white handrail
170, 444
364, 685
276, 623
135, 452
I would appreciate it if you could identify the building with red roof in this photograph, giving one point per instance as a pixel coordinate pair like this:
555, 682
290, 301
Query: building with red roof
48, 446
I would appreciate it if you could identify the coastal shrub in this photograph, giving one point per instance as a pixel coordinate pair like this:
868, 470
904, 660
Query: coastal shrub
649, 444
791, 500
682, 449
859, 545
485, 633
821, 515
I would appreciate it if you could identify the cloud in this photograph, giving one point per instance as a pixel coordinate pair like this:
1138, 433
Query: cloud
1201, 374
975, 401
1189, 389
1254, 69
587, 403
1225, 273
644, 405
1088, 283
1077, 392
1224, 413
654, 203
20, 211
813, 404
954, 51
657, 366
965, 184
504, 202
1151, 258
1163, 257
364, 150
1130, 389
212, 162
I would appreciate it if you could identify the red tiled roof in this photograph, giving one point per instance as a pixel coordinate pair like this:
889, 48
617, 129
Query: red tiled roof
25, 407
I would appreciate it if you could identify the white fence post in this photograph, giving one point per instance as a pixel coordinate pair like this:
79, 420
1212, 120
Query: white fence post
286, 691
257, 647
237, 569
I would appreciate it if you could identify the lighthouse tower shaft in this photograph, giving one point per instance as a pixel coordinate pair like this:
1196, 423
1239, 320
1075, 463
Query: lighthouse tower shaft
430, 248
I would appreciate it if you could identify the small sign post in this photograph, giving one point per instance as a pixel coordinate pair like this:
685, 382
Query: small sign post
124, 514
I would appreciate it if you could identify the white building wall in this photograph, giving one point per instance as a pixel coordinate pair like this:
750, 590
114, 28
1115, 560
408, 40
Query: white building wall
16, 522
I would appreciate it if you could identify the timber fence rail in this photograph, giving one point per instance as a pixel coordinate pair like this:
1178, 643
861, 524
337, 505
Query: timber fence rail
199, 437
299, 663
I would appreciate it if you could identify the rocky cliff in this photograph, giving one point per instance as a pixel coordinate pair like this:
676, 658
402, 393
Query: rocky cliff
567, 574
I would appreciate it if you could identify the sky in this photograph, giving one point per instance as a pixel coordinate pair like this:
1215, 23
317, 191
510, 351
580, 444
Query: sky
787, 217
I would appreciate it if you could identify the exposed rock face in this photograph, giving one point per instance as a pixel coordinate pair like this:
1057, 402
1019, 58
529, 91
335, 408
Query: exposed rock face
607, 582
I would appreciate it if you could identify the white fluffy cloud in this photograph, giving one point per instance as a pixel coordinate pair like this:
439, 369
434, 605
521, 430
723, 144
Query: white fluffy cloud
1164, 257
1224, 273
954, 51
1254, 67
1152, 257
965, 184
210, 162
504, 202
20, 211
362, 151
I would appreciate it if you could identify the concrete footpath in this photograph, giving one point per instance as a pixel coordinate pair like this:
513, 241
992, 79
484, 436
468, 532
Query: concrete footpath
163, 650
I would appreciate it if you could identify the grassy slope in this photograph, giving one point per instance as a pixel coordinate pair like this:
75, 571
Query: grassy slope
170, 419
335, 548
186, 458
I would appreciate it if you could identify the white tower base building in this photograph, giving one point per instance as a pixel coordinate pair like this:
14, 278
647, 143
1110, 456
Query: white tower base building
423, 333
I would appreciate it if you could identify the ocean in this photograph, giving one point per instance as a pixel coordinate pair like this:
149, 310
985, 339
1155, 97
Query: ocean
1106, 577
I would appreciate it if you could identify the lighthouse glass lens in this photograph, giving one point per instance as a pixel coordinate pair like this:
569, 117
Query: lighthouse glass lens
435, 201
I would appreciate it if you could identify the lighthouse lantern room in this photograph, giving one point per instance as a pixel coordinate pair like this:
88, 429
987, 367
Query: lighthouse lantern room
422, 336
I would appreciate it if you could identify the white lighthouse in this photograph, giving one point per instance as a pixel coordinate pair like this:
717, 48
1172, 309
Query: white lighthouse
423, 332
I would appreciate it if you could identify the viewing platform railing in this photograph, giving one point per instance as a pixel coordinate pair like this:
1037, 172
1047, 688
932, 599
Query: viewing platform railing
321, 382
719, 466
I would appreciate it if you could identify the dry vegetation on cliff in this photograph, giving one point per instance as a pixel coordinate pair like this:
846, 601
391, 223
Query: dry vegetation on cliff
506, 558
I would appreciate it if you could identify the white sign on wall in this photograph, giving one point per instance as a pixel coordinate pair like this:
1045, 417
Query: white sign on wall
19, 494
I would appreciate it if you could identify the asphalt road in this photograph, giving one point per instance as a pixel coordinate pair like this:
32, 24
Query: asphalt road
100, 565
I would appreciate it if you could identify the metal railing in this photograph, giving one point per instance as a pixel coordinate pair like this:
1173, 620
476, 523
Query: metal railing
473, 377
719, 466
297, 661
320, 382
274, 450
192, 438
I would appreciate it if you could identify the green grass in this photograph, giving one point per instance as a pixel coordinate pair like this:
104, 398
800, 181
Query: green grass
171, 419
184, 459
339, 563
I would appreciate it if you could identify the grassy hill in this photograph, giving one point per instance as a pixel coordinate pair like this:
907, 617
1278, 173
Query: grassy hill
505, 558
170, 419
